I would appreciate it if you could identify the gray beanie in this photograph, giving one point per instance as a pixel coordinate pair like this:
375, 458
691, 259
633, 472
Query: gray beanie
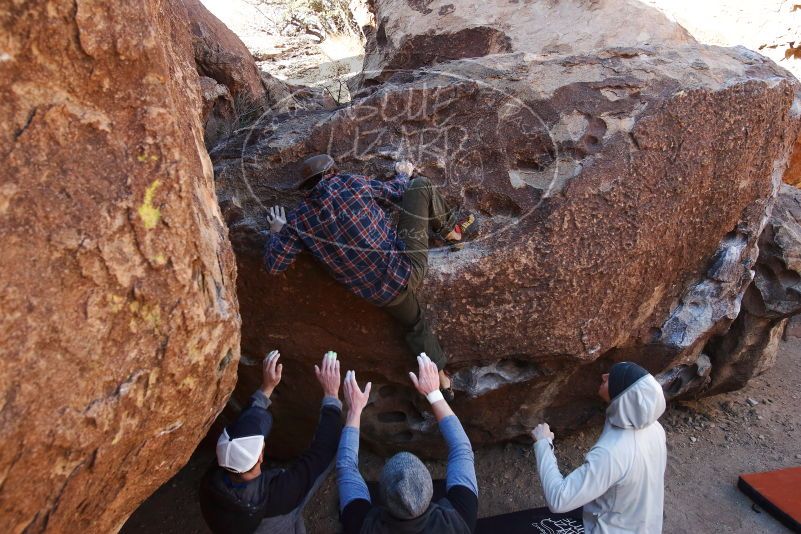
406, 486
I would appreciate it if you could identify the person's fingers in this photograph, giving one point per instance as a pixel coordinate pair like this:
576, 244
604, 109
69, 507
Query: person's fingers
317, 371
432, 367
336, 368
268, 359
367, 389
332, 367
279, 370
413, 378
329, 359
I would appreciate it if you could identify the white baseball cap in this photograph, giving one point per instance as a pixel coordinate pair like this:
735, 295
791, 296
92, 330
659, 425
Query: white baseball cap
239, 454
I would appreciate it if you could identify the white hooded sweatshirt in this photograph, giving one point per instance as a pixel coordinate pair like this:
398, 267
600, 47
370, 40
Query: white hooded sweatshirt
622, 481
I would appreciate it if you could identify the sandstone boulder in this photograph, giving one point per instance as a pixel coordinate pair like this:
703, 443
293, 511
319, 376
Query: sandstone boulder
623, 187
119, 322
218, 112
414, 33
222, 56
235, 92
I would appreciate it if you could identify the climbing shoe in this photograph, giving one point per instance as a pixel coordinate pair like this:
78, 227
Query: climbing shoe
467, 226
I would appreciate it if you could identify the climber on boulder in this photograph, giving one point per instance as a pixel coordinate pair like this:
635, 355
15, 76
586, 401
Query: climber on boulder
341, 223
621, 484
236, 495
405, 483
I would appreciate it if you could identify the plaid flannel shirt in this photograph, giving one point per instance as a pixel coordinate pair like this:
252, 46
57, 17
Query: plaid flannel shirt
344, 227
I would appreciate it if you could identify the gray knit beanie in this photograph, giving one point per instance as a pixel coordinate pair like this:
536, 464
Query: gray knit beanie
406, 486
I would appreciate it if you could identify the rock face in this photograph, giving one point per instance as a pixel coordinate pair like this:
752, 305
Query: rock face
623, 187
119, 321
771, 26
414, 33
235, 92
222, 56
231, 84
218, 110
749, 347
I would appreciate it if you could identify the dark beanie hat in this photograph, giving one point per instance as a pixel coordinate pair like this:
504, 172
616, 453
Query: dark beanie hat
622, 375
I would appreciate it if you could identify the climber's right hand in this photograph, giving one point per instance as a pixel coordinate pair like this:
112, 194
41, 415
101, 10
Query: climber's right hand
277, 218
404, 167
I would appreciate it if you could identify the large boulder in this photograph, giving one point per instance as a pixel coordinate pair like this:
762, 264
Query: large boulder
222, 56
120, 322
414, 33
232, 90
622, 189
235, 92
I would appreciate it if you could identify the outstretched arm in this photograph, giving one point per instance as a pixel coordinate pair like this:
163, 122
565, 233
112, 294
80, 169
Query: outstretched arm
599, 472
282, 245
394, 189
290, 488
258, 409
354, 497
460, 478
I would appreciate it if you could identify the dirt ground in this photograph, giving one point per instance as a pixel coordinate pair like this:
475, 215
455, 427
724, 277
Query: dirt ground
710, 442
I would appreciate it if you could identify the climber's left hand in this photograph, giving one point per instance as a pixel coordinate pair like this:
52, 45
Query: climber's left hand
276, 218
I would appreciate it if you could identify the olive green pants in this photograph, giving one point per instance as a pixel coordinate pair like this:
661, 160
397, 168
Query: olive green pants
422, 208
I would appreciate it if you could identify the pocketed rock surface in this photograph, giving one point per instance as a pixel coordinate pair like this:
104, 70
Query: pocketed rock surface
120, 323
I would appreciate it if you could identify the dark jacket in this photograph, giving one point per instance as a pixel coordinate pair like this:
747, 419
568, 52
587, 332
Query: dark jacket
440, 518
233, 508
